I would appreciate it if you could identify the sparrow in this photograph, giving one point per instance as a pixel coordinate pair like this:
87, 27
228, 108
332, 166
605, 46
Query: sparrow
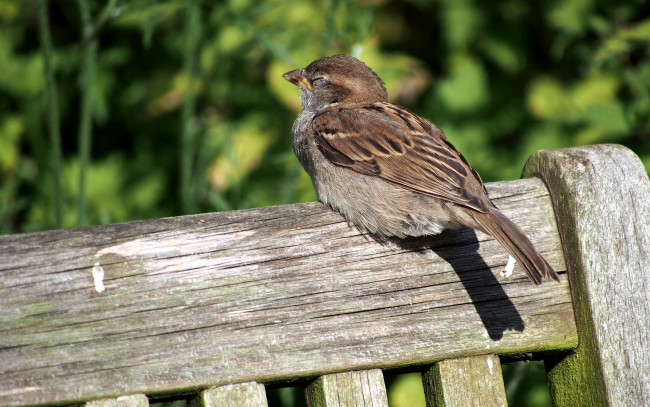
387, 170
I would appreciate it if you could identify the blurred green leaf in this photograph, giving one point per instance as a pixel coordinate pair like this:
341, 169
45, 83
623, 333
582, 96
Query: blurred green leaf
547, 99
462, 21
111, 195
503, 52
624, 41
592, 100
140, 13
21, 75
9, 9
11, 128
526, 384
465, 89
406, 391
594, 89
570, 16
607, 116
243, 148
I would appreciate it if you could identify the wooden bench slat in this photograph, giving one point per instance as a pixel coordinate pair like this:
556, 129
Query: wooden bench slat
266, 295
474, 381
134, 400
232, 395
364, 388
602, 199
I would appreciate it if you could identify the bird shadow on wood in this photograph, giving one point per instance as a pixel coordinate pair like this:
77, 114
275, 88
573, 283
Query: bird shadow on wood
460, 249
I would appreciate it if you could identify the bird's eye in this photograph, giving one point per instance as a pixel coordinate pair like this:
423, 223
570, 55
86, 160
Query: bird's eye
320, 81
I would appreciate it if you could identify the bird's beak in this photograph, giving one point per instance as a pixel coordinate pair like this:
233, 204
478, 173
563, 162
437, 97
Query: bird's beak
298, 78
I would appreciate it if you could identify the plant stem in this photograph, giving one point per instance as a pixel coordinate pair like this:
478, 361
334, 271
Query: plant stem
52, 107
192, 36
328, 33
109, 12
86, 82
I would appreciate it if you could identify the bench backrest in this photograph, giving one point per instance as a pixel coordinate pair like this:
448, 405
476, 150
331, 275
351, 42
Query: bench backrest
221, 304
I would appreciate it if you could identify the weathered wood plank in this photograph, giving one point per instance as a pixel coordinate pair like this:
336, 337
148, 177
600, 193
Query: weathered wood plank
474, 381
134, 400
365, 388
602, 199
264, 295
232, 395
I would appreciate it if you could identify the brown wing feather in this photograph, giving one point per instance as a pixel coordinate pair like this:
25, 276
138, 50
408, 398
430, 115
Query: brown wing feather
386, 141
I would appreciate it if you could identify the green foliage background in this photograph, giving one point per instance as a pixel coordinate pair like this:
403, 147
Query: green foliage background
182, 107
172, 107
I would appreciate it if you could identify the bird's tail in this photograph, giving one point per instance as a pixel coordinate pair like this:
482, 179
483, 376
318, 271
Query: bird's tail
515, 241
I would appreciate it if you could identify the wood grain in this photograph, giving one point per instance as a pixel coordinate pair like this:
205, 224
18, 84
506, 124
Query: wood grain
365, 388
602, 199
232, 395
474, 381
134, 400
267, 295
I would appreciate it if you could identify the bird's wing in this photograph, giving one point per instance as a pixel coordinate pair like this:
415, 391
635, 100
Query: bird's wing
390, 142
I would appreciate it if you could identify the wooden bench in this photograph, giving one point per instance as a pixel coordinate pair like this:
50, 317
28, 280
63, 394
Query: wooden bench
221, 304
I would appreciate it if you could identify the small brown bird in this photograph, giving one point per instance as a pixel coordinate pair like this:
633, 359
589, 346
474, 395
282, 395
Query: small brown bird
387, 170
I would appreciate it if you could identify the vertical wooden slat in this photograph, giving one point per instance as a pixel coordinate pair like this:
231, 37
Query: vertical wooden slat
233, 395
601, 196
463, 382
134, 400
354, 389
